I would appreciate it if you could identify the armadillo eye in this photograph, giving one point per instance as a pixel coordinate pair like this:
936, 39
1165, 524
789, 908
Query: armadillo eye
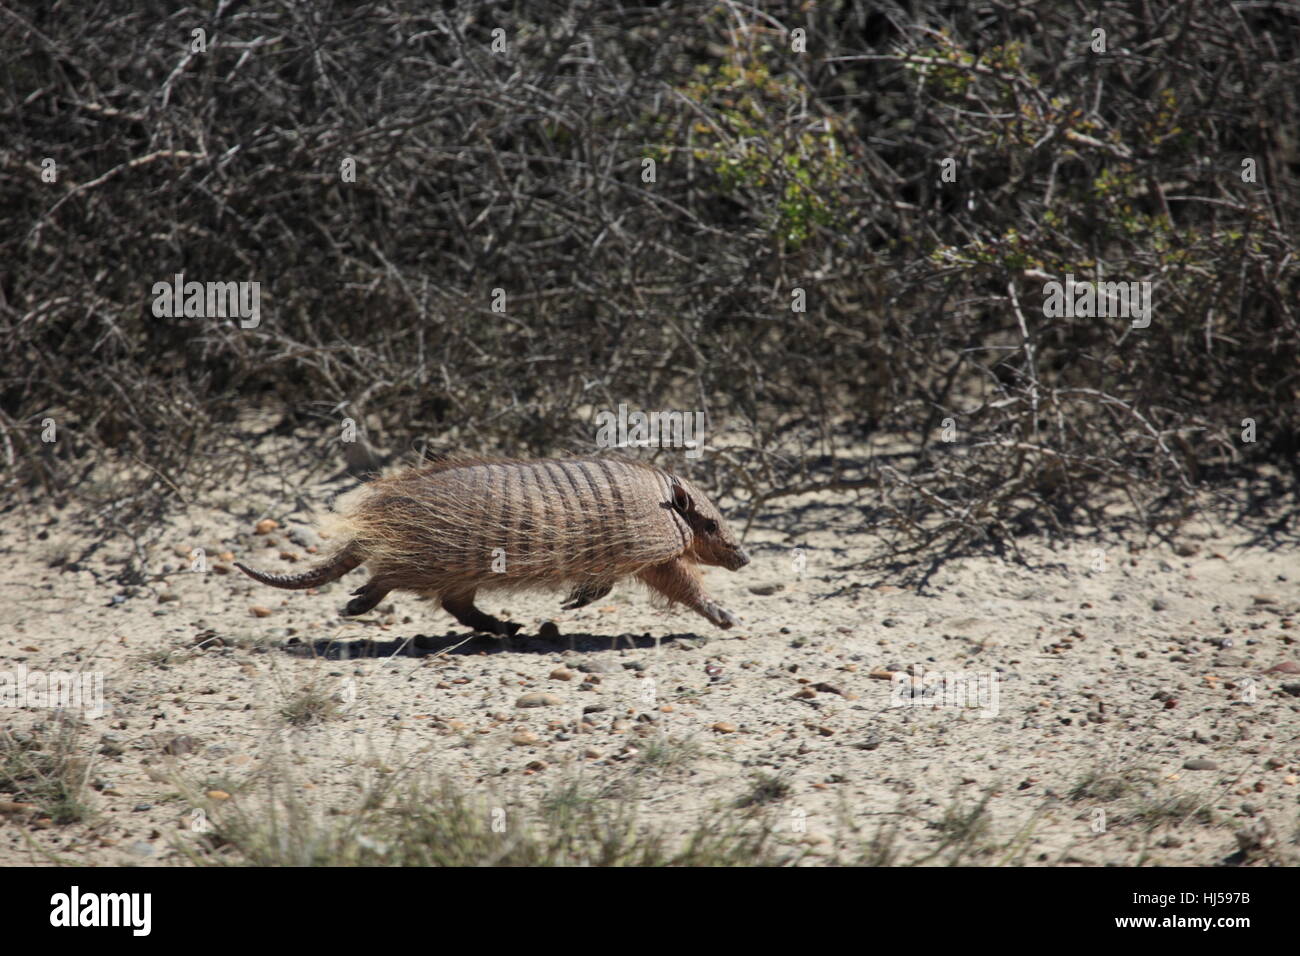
711, 526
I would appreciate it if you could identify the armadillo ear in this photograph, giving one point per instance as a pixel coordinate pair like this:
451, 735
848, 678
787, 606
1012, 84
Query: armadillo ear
682, 502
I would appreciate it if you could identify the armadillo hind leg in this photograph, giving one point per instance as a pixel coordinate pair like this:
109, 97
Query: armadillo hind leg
461, 607
674, 582
585, 593
366, 598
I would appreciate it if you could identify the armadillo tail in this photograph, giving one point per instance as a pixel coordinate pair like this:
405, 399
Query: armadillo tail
336, 567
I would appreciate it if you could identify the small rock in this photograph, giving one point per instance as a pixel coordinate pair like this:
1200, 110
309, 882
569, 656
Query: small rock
537, 700
598, 667
524, 739
1264, 598
561, 673
266, 526
178, 746
218, 795
260, 611
1200, 764
140, 848
724, 727
1286, 667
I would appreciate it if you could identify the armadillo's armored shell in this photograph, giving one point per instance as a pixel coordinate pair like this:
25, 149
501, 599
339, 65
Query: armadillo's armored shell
517, 523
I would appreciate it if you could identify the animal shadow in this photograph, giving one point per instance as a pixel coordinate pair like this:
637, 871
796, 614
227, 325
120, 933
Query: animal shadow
423, 645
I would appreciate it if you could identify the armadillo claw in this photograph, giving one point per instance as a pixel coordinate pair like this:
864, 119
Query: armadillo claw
725, 619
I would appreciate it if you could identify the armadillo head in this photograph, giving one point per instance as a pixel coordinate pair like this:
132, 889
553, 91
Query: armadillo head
712, 541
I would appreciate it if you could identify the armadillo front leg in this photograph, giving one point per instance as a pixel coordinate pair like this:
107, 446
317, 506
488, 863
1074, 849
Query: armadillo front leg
675, 582
461, 607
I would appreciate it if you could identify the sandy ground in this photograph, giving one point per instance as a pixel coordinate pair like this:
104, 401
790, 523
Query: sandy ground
1126, 705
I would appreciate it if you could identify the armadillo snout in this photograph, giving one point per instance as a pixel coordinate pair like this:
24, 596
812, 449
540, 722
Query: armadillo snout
738, 560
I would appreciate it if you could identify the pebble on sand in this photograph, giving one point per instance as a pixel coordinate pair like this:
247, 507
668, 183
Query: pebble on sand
537, 700
178, 746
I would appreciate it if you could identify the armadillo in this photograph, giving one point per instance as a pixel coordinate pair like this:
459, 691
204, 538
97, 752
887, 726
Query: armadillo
457, 527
